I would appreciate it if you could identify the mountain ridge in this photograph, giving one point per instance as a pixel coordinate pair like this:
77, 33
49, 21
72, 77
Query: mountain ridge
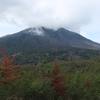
39, 38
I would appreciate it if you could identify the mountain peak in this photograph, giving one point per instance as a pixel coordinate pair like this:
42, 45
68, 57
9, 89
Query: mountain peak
35, 31
41, 37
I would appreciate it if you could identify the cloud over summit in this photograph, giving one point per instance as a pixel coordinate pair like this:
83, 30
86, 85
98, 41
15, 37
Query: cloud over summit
76, 15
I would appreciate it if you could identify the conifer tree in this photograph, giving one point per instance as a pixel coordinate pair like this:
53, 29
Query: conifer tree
57, 81
8, 71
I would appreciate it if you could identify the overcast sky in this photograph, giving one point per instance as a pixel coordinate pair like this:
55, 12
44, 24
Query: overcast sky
82, 16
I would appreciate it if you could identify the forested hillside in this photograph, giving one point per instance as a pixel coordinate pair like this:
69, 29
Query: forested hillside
67, 54
56, 80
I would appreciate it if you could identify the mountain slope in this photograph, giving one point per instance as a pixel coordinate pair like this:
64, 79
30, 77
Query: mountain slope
43, 38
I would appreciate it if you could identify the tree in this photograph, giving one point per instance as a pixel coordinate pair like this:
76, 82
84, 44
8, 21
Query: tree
8, 71
57, 81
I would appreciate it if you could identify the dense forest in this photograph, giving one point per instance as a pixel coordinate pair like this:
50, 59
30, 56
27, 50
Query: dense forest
36, 56
54, 80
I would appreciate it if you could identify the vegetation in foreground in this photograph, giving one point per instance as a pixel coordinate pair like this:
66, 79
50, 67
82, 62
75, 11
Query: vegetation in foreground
58, 80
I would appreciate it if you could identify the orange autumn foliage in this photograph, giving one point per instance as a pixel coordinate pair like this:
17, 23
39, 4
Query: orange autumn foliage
57, 81
8, 72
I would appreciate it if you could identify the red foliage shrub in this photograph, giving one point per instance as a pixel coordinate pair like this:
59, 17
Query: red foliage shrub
8, 72
57, 81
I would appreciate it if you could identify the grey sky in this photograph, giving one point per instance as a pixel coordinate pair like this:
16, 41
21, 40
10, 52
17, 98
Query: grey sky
82, 16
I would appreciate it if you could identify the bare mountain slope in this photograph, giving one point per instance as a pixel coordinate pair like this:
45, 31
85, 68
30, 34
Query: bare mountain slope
43, 38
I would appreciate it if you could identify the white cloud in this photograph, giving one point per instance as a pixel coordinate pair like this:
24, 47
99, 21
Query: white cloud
81, 16
7, 28
83, 34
